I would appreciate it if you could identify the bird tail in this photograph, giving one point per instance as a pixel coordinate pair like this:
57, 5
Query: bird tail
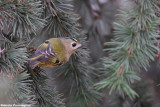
33, 63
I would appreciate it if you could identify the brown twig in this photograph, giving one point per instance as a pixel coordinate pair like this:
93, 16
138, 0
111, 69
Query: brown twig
129, 51
121, 70
55, 13
6, 13
17, 69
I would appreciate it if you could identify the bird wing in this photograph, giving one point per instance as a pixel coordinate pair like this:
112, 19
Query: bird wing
43, 52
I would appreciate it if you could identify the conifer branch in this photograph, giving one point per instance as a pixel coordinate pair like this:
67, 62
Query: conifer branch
133, 46
46, 96
20, 18
62, 21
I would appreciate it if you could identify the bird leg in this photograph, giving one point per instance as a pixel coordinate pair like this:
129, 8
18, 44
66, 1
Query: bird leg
31, 49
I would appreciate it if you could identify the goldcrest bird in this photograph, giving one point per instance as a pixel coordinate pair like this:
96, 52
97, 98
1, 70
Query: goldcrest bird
55, 51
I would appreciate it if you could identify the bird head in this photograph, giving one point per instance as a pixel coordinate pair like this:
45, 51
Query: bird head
71, 44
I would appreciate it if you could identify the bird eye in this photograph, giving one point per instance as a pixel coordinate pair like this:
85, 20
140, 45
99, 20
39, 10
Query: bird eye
74, 44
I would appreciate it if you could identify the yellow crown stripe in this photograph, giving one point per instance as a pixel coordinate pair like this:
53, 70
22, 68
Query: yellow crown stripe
74, 39
71, 38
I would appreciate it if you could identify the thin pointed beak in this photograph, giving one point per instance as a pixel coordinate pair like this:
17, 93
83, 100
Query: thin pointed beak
83, 47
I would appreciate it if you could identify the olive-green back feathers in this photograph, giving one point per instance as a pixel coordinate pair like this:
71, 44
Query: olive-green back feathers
53, 52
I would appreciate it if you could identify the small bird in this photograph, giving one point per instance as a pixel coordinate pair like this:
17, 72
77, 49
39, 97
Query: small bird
54, 52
